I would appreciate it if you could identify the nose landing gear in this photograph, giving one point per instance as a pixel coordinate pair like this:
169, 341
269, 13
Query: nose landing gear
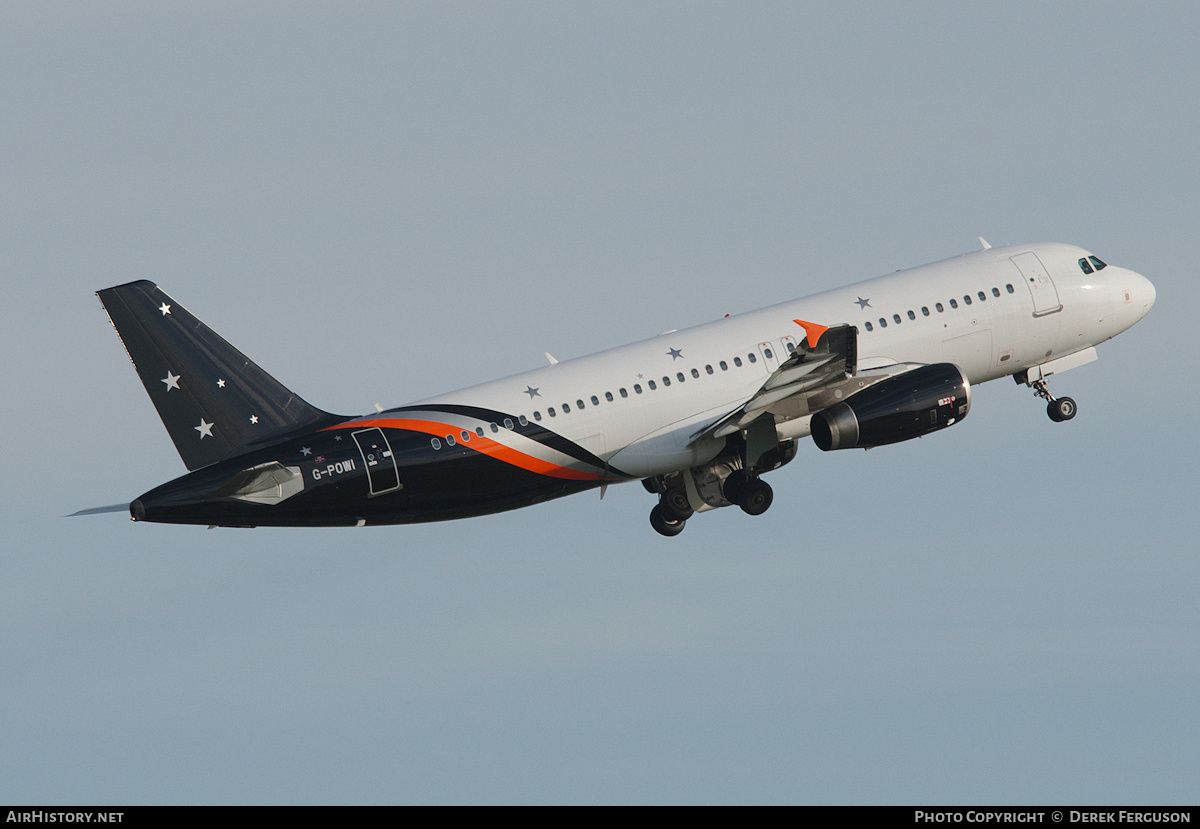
1058, 408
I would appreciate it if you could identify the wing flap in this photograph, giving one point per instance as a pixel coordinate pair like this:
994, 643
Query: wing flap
809, 368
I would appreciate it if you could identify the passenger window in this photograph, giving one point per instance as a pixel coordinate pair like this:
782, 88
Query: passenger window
637, 388
679, 376
495, 428
508, 424
1009, 287
737, 361
791, 347
596, 400
982, 296
579, 405
882, 322
695, 373
953, 303
524, 421
608, 396
925, 310
566, 409
479, 431
466, 436
939, 307
666, 380
967, 298
724, 366
869, 326
651, 385
911, 315
537, 415
896, 318
550, 411
1099, 265
437, 444
624, 393
751, 357
709, 368
767, 353
995, 292
449, 440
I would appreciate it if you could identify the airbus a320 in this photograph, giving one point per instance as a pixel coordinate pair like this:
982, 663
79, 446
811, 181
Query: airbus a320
699, 415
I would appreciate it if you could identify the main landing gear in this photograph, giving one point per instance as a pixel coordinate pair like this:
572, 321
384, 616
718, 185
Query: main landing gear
673, 510
670, 515
749, 492
1058, 408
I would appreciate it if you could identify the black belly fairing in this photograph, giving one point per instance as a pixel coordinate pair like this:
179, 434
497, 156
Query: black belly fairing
346, 477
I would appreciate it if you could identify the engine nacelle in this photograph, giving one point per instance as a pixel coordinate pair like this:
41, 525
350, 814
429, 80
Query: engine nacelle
906, 406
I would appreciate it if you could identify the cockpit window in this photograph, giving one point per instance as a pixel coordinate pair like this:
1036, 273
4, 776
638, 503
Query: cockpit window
1099, 265
1084, 266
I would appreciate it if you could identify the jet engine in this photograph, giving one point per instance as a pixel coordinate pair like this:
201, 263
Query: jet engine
905, 406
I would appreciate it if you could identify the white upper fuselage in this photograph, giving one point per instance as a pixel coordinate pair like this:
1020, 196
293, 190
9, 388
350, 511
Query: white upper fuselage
993, 312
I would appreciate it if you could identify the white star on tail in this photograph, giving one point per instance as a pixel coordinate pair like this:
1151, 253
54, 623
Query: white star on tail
166, 309
205, 429
172, 380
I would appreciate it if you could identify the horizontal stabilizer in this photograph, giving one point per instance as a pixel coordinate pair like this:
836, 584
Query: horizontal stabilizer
214, 401
101, 510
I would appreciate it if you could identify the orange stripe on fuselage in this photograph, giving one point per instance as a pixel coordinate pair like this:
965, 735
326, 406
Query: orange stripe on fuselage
480, 444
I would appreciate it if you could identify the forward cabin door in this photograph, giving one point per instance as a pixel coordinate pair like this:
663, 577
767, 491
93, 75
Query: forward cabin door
1037, 280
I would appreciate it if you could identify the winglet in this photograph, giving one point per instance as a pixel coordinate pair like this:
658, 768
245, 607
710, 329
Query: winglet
983, 242
812, 330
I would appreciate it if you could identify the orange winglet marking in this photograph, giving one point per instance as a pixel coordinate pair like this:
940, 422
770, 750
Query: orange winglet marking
812, 330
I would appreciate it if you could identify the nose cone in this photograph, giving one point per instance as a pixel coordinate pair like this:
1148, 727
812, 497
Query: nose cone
1143, 293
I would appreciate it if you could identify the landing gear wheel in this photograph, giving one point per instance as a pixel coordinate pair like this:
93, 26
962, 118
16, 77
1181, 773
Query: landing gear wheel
756, 497
733, 486
664, 525
1063, 408
674, 503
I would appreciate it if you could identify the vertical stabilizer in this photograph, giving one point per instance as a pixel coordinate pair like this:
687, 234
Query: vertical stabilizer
214, 401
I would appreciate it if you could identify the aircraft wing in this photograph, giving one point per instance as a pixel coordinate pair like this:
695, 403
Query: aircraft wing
808, 371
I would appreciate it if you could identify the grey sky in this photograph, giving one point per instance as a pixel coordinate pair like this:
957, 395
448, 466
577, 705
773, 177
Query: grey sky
379, 202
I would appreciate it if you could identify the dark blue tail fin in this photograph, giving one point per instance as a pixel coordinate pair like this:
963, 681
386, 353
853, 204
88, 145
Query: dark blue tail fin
214, 401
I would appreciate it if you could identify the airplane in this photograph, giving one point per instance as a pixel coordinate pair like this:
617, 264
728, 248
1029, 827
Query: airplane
697, 415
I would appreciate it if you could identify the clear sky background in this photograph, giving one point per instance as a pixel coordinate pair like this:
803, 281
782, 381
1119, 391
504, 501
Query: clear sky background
381, 201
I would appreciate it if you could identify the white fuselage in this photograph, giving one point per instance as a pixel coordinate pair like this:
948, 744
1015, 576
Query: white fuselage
981, 311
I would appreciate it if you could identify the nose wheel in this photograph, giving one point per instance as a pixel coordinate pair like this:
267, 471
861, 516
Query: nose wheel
1058, 408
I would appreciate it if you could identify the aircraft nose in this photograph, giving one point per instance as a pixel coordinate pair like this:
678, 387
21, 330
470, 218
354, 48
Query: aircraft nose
1143, 293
